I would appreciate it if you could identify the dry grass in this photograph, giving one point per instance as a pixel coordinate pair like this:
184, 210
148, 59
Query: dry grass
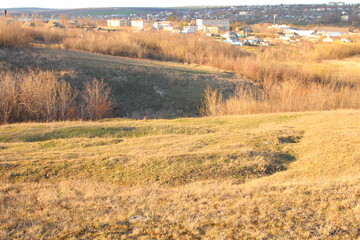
157, 45
288, 96
12, 34
304, 71
336, 51
104, 182
35, 95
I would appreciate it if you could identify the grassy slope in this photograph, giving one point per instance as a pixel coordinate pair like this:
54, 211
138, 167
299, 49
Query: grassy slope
140, 87
274, 176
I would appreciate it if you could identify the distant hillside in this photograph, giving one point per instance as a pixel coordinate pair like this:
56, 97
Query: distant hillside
86, 11
27, 9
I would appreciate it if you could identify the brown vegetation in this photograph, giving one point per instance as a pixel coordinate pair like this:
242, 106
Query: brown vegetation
288, 96
157, 45
313, 84
97, 101
36, 95
13, 35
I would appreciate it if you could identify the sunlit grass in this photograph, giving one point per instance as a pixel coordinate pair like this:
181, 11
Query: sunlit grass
271, 176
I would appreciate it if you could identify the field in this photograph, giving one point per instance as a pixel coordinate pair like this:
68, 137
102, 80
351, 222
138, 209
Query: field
214, 141
266, 176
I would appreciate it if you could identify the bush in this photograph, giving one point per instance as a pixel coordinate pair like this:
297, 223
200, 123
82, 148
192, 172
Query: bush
12, 34
39, 96
96, 100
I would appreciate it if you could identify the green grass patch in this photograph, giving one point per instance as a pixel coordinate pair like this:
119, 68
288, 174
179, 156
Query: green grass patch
113, 132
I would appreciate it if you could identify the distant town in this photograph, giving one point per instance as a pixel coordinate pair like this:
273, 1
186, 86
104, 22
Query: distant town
238, 25
338, 13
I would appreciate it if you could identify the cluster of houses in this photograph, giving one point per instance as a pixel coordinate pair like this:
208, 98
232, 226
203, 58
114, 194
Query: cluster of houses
215, 26
220, 28
303, 14
204, 25
332, 13
287, 34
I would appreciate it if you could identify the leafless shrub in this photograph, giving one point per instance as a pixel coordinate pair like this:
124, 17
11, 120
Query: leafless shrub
96, 98
36, 95
212, 102
66, 97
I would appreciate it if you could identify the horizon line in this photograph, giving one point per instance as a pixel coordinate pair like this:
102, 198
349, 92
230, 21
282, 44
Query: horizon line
188, 6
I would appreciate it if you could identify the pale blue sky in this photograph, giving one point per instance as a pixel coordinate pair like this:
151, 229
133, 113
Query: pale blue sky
145, 3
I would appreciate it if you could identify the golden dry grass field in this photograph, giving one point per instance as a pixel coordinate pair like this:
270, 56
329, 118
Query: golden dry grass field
266, 176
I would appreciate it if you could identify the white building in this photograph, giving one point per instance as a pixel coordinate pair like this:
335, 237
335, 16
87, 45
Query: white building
279, 27
302, 33
162, 24
189, 29
118, 23
137, 24
345, 18
141, 24
204, 23
336, 4
331, 31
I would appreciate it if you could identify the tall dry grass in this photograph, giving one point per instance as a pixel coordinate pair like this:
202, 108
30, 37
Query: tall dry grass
154, 45
50, 35
288, 96
12, 34
336, 50
36, 95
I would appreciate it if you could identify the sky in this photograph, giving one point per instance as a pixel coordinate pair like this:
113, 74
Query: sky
148, 3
